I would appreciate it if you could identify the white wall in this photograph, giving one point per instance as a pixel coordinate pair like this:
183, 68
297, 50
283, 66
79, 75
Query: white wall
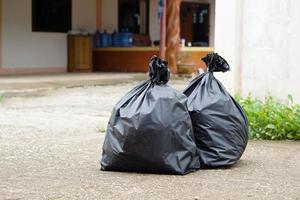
270, 50
227, 42
261, 44
292, 85
23, 48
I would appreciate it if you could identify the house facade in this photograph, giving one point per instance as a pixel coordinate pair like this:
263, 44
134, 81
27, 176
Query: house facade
259, 38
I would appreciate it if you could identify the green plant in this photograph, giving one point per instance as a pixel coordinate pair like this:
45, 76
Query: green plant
272, 120
1, 98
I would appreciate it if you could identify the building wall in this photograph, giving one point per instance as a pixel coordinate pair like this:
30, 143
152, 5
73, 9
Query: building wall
261, 44
227, 41
50, 49
23, 48
271, 50
292, 83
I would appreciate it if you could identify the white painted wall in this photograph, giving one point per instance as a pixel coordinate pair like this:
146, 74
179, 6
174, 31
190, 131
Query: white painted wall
23, 48
261, 44
271, 48
227, 34
292, 85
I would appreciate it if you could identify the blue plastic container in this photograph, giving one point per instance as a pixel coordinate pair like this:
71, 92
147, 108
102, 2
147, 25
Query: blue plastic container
125, 39
105, 39
115, 39
97, 39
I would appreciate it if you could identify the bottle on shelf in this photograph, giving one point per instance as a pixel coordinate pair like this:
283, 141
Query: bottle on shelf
97, 39
105, 39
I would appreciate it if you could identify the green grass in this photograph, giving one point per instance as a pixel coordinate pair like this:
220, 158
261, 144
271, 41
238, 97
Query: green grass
272, 120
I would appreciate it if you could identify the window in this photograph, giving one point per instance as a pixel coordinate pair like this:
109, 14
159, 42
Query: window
134, 16
51, 15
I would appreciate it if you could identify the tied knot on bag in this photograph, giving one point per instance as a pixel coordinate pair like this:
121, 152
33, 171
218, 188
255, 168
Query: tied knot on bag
216, 63
158, 70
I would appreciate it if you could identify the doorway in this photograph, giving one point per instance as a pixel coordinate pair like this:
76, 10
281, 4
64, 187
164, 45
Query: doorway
194, 23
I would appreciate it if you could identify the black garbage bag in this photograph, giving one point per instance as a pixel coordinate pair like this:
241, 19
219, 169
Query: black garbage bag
150, 129
220, 125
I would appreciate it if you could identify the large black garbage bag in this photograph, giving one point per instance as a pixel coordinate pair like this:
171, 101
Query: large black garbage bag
220, 125
150, 129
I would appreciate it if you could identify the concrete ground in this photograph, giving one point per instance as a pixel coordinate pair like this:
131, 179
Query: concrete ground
50, 146
28, 83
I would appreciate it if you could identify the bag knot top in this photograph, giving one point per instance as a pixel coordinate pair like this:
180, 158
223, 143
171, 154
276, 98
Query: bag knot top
215, 63
158, 70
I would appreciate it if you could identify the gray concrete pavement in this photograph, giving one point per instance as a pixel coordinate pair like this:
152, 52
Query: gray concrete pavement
50, 145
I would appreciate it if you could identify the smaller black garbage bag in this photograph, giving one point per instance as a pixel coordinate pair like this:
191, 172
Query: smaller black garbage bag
220, 125
150, 129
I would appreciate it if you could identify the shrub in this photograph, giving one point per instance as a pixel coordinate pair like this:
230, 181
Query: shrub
271, 120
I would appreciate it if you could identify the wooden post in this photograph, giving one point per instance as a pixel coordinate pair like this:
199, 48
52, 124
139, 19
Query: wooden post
98, 15
162, 43
173, 33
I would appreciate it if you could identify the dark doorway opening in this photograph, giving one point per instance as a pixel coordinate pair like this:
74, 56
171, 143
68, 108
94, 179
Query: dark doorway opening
194, 23
134, 16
